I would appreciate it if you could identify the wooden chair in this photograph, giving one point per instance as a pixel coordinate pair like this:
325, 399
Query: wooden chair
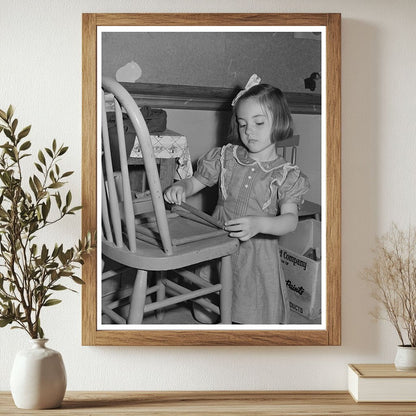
291, 144
156, 240
308, 209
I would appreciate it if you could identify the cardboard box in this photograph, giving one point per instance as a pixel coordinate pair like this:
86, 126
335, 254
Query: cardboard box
300, 254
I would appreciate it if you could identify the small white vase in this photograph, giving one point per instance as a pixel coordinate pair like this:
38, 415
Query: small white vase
38, 377
405, 358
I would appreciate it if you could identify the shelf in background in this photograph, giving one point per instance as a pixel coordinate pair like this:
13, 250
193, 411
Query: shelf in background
191, 97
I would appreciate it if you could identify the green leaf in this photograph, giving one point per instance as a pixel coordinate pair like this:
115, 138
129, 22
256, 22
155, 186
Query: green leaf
59, 287
59, 250
8, 133
51, 302
3, 115
78, 280
25, 155
37, 182
41, 157
39, 167
77, 208
62, 257
45, 210
54, 145
44, 253
14, 125
25, 145
40, 332
33, 187
56, 185
34, 249
58, 199
63, 150
10, 112
67, 174
5, 321
49, 152
68, 199
24, 132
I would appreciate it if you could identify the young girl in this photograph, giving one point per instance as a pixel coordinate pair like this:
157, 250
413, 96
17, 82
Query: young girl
259, 194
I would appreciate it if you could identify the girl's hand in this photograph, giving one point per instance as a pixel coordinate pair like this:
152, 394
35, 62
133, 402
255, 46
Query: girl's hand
175, 194
244, 228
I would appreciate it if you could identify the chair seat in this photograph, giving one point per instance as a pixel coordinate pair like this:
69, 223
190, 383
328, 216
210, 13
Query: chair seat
182, 230
153, 257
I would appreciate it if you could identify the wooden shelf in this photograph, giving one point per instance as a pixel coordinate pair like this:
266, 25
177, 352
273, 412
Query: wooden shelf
180, 403
208, 98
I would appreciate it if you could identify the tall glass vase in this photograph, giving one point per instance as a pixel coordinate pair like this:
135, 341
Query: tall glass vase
38, 377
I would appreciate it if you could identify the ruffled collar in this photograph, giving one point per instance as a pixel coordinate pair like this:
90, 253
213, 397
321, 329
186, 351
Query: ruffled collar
243, 158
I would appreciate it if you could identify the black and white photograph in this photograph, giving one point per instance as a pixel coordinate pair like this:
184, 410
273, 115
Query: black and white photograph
238, 157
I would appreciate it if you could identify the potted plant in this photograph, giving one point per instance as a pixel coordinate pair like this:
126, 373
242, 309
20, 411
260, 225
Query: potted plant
32, 273
393, 277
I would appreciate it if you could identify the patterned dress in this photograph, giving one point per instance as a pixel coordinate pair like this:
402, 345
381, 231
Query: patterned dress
248, 187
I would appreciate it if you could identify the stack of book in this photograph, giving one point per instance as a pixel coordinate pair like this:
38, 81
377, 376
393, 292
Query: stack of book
381, 383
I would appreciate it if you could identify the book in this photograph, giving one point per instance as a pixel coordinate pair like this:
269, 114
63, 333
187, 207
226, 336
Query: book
381, 383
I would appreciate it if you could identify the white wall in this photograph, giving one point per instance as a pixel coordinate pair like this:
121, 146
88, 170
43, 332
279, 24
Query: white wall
228, 59
40, 73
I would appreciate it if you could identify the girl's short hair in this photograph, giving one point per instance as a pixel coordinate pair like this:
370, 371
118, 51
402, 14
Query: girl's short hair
273, 100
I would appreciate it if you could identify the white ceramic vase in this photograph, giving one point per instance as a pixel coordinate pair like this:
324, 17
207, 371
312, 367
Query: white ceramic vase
405, 358
38, 377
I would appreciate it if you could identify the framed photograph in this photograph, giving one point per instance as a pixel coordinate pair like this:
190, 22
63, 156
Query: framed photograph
183, 73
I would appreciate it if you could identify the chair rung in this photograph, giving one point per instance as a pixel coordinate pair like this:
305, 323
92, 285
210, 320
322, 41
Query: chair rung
113, 315
192, 277
111, 273
112, 293
119, 302
153, 289
121, 294
126, 293
201, 301
180, 298
200, 292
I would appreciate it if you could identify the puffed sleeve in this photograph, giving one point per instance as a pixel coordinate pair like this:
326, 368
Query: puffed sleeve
294, 187
209, 167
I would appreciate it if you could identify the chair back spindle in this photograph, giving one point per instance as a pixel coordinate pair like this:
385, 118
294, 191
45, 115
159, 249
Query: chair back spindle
126, 189
291, 143
105, 215
109, 185
125, 101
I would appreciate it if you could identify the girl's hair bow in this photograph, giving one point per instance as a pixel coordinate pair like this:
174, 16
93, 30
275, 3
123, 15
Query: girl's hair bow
254, 80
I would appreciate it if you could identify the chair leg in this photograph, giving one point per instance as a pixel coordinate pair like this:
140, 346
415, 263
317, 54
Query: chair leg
161, 293
138, 298
226, 295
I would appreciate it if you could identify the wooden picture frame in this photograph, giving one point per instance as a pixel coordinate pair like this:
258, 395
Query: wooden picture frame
330, 334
